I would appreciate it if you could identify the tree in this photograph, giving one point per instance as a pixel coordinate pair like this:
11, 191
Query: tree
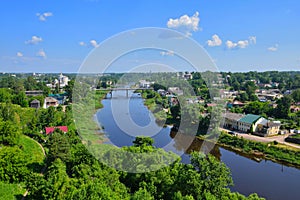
12, 165
283, 107
257, 108
69, 89
9, 133
214, 174
143, 141
157, 86
5, 95
59, 146
58, 182
296, 95
20, 99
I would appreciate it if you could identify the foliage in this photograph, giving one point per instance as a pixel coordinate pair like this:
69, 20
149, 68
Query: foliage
12, 165
270, 151
59, 146
10, 191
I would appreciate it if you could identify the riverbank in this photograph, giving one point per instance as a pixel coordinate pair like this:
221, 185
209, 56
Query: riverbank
259, 150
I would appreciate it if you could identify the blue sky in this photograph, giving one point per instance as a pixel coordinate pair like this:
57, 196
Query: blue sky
57, 35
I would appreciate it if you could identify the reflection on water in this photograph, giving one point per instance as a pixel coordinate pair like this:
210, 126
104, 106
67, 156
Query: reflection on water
182, 140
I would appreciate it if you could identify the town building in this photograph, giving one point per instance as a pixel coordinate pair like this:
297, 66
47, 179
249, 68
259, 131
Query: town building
34, 92
145, 84
50, 101
35, 104
231, 120
255, 124
248, 123
266, 127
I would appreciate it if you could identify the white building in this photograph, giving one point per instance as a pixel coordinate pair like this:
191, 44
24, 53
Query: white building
63, 80
145, 84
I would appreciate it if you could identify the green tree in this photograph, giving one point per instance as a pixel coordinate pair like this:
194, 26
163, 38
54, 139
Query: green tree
9, 133
296, 95
59, 146
12, 165
283, 107
58, 182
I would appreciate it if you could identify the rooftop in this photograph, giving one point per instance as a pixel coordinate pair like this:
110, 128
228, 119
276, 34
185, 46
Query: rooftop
233, 116
250, 118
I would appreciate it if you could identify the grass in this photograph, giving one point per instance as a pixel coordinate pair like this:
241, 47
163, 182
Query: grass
11, 191
283, 146
32, 149
296, 136
99, 95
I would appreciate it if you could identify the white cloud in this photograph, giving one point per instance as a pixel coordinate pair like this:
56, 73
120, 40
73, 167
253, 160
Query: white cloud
230, 44
273, 48
43, 16
240, 44
94, 43
34, 40
243, 44
216, 41
41, 53
19, 54
185, 23
82, 43
167, 53
252, 39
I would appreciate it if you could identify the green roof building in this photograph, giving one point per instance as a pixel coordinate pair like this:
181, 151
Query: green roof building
245, 123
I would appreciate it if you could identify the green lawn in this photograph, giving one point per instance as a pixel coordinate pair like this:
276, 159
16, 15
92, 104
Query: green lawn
11, 191
32, 150
296, 136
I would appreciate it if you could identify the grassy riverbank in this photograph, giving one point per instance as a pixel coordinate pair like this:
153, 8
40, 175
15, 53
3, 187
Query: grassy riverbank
270, 151
99, 96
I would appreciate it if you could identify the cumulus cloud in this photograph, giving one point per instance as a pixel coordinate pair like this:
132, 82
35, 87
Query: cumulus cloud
93, 43
252, 39
273, 48
82, 44
43, 16
215, 41
185, 23
41, 53
167, 53
239, 44
34, 40
19, 54
243, 43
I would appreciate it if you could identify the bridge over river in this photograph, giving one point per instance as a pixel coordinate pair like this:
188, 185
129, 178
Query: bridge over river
122, 89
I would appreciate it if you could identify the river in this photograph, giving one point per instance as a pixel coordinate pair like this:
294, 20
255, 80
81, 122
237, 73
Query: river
266, 178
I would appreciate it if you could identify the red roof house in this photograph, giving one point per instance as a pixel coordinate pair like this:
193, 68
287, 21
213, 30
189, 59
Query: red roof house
50, 130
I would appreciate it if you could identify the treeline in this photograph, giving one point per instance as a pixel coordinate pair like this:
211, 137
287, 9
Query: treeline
76, 174
286, 80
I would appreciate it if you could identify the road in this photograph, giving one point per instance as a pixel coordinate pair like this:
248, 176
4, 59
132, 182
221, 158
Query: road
278, 138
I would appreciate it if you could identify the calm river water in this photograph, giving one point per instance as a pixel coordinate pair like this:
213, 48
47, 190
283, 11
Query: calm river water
270, 180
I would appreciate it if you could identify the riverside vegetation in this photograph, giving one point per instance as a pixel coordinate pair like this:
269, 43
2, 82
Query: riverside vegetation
72, 172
